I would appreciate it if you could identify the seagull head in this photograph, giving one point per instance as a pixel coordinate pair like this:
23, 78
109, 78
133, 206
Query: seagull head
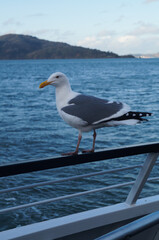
57, 79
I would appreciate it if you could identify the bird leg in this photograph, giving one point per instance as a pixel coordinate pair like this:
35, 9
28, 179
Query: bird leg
93, 147
77, 147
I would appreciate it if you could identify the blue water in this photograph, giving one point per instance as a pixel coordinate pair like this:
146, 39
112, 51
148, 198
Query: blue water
30, 127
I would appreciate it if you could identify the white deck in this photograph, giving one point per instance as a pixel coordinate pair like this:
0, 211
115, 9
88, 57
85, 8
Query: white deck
80, 222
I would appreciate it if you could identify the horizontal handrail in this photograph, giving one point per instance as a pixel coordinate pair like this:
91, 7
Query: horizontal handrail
39, 184
56, 162
68, 179
79, 194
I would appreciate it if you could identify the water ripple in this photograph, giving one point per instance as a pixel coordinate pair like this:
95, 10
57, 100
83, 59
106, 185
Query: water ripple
31, 128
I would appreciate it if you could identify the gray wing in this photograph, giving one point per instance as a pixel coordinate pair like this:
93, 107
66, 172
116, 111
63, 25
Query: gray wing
93, 110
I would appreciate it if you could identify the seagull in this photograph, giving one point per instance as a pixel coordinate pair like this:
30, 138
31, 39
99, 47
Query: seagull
88, 113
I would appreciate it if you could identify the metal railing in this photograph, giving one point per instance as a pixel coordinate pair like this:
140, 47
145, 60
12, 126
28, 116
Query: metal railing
144, 228
58, 162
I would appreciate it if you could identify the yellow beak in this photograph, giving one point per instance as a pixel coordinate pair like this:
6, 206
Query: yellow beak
43, 84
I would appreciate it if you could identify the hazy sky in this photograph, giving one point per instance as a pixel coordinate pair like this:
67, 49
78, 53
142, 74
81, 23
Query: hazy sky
120, 26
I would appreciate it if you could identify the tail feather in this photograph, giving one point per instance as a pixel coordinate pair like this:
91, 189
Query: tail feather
134, 115
127, 118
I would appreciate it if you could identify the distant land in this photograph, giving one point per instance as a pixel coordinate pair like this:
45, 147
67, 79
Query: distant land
17, 46
153, 55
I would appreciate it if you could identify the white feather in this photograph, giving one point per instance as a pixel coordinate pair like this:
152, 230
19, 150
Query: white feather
123, 122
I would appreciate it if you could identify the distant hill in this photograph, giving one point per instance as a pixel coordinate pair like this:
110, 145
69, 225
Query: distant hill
16, 46
153, 55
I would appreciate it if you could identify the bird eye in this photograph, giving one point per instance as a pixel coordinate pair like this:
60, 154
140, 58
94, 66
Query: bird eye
57, 76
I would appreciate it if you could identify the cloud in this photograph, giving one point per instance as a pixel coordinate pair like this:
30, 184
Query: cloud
106, 33
126, 39
11, 21
150, 1
101, 39
94, 42
145, 29
120, 19
143, 39
110, 41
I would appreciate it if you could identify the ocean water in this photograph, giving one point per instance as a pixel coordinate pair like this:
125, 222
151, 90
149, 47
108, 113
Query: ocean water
30, 128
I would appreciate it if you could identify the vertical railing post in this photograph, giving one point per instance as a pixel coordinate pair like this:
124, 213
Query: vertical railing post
142, 178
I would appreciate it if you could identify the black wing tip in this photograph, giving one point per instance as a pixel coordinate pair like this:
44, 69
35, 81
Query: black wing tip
139, 114
134, 115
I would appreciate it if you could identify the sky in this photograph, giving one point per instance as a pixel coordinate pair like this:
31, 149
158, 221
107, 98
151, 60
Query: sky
119, 26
